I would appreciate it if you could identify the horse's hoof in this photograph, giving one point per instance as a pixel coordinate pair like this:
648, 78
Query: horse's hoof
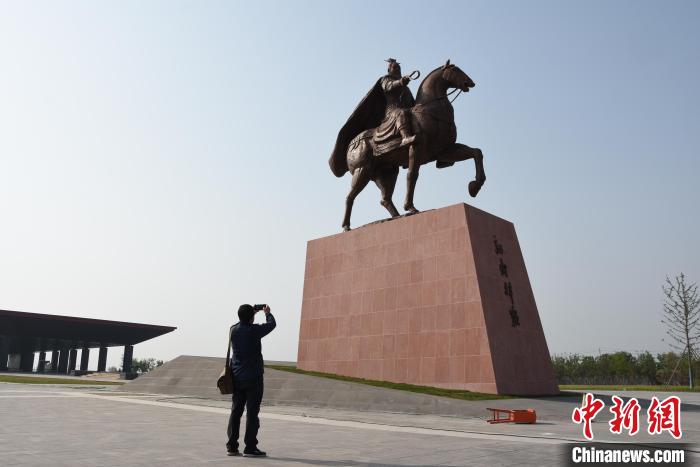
346, 228
474, 187
410, 210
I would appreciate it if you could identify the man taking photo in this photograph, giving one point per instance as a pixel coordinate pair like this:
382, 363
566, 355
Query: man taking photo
247, 370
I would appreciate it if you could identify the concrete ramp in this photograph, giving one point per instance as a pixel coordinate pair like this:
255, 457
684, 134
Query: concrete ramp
196, 377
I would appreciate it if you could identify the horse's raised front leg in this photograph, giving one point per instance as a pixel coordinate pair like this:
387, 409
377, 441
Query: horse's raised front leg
411, 179
462, 152
360, 178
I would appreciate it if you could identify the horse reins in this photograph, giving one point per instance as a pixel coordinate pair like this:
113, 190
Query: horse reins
447, 96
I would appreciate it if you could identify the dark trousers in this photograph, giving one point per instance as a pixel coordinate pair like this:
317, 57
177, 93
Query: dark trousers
246, 394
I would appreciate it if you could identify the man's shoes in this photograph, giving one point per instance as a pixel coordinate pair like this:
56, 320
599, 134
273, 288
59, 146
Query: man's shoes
234, 452
254, 453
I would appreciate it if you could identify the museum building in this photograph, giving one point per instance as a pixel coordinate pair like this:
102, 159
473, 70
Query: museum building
22, 335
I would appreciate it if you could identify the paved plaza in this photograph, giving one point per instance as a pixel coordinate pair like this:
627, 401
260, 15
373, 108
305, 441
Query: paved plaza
77, 426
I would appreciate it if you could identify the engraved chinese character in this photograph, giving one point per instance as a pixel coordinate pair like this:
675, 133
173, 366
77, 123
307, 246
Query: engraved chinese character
503, 268
499, 247
508, 290
514, 318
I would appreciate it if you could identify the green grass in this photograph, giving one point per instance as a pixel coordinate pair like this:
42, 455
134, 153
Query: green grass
622, 387
41, 380
451, 393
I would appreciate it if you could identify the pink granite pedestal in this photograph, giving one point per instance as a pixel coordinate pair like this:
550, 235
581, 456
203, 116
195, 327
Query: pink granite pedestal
441, 298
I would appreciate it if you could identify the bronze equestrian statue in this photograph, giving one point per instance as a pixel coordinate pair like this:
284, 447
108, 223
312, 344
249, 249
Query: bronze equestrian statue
388, 130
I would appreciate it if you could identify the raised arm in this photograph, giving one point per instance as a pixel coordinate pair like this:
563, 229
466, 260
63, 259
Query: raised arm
264, 329
389, 83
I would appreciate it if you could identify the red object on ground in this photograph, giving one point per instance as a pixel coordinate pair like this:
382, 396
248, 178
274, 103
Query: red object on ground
512, 416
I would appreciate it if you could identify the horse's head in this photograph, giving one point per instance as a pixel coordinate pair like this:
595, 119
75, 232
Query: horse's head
456, 78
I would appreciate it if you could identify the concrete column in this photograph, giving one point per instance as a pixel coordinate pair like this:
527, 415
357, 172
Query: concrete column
54, 361
27, 361
63, 360
41, 366
84, 359
13, 363
128, 356
102, 359
4, 354
72, 357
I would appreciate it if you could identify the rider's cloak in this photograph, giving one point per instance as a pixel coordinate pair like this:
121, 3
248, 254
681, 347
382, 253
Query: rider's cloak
368, 114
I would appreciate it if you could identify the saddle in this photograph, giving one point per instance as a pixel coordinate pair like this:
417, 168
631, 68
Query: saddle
380, 146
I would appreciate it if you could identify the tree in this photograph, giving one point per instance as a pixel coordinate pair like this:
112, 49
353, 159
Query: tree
647, 367
145, 365
681, 317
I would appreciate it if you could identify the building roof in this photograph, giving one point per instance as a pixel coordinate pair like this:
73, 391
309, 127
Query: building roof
34, 332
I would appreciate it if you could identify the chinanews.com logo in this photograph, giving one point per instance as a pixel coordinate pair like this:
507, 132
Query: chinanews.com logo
628, 418
626, 454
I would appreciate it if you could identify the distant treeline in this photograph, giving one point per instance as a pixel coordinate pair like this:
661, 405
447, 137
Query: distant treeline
623, 368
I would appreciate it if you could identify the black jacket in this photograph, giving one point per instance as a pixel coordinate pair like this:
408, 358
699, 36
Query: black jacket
246, 355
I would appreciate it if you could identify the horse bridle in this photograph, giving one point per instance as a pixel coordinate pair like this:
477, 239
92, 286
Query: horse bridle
446, 96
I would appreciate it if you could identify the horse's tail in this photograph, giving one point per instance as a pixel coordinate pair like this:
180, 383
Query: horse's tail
338, 160
339, 164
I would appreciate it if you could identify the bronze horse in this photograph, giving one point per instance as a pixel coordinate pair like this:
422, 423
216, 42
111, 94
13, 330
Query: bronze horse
432, 120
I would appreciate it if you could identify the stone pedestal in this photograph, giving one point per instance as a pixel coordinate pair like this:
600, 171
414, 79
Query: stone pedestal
441, 298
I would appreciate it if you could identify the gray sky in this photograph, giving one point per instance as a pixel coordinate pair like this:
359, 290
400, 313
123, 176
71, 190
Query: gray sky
163, 162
